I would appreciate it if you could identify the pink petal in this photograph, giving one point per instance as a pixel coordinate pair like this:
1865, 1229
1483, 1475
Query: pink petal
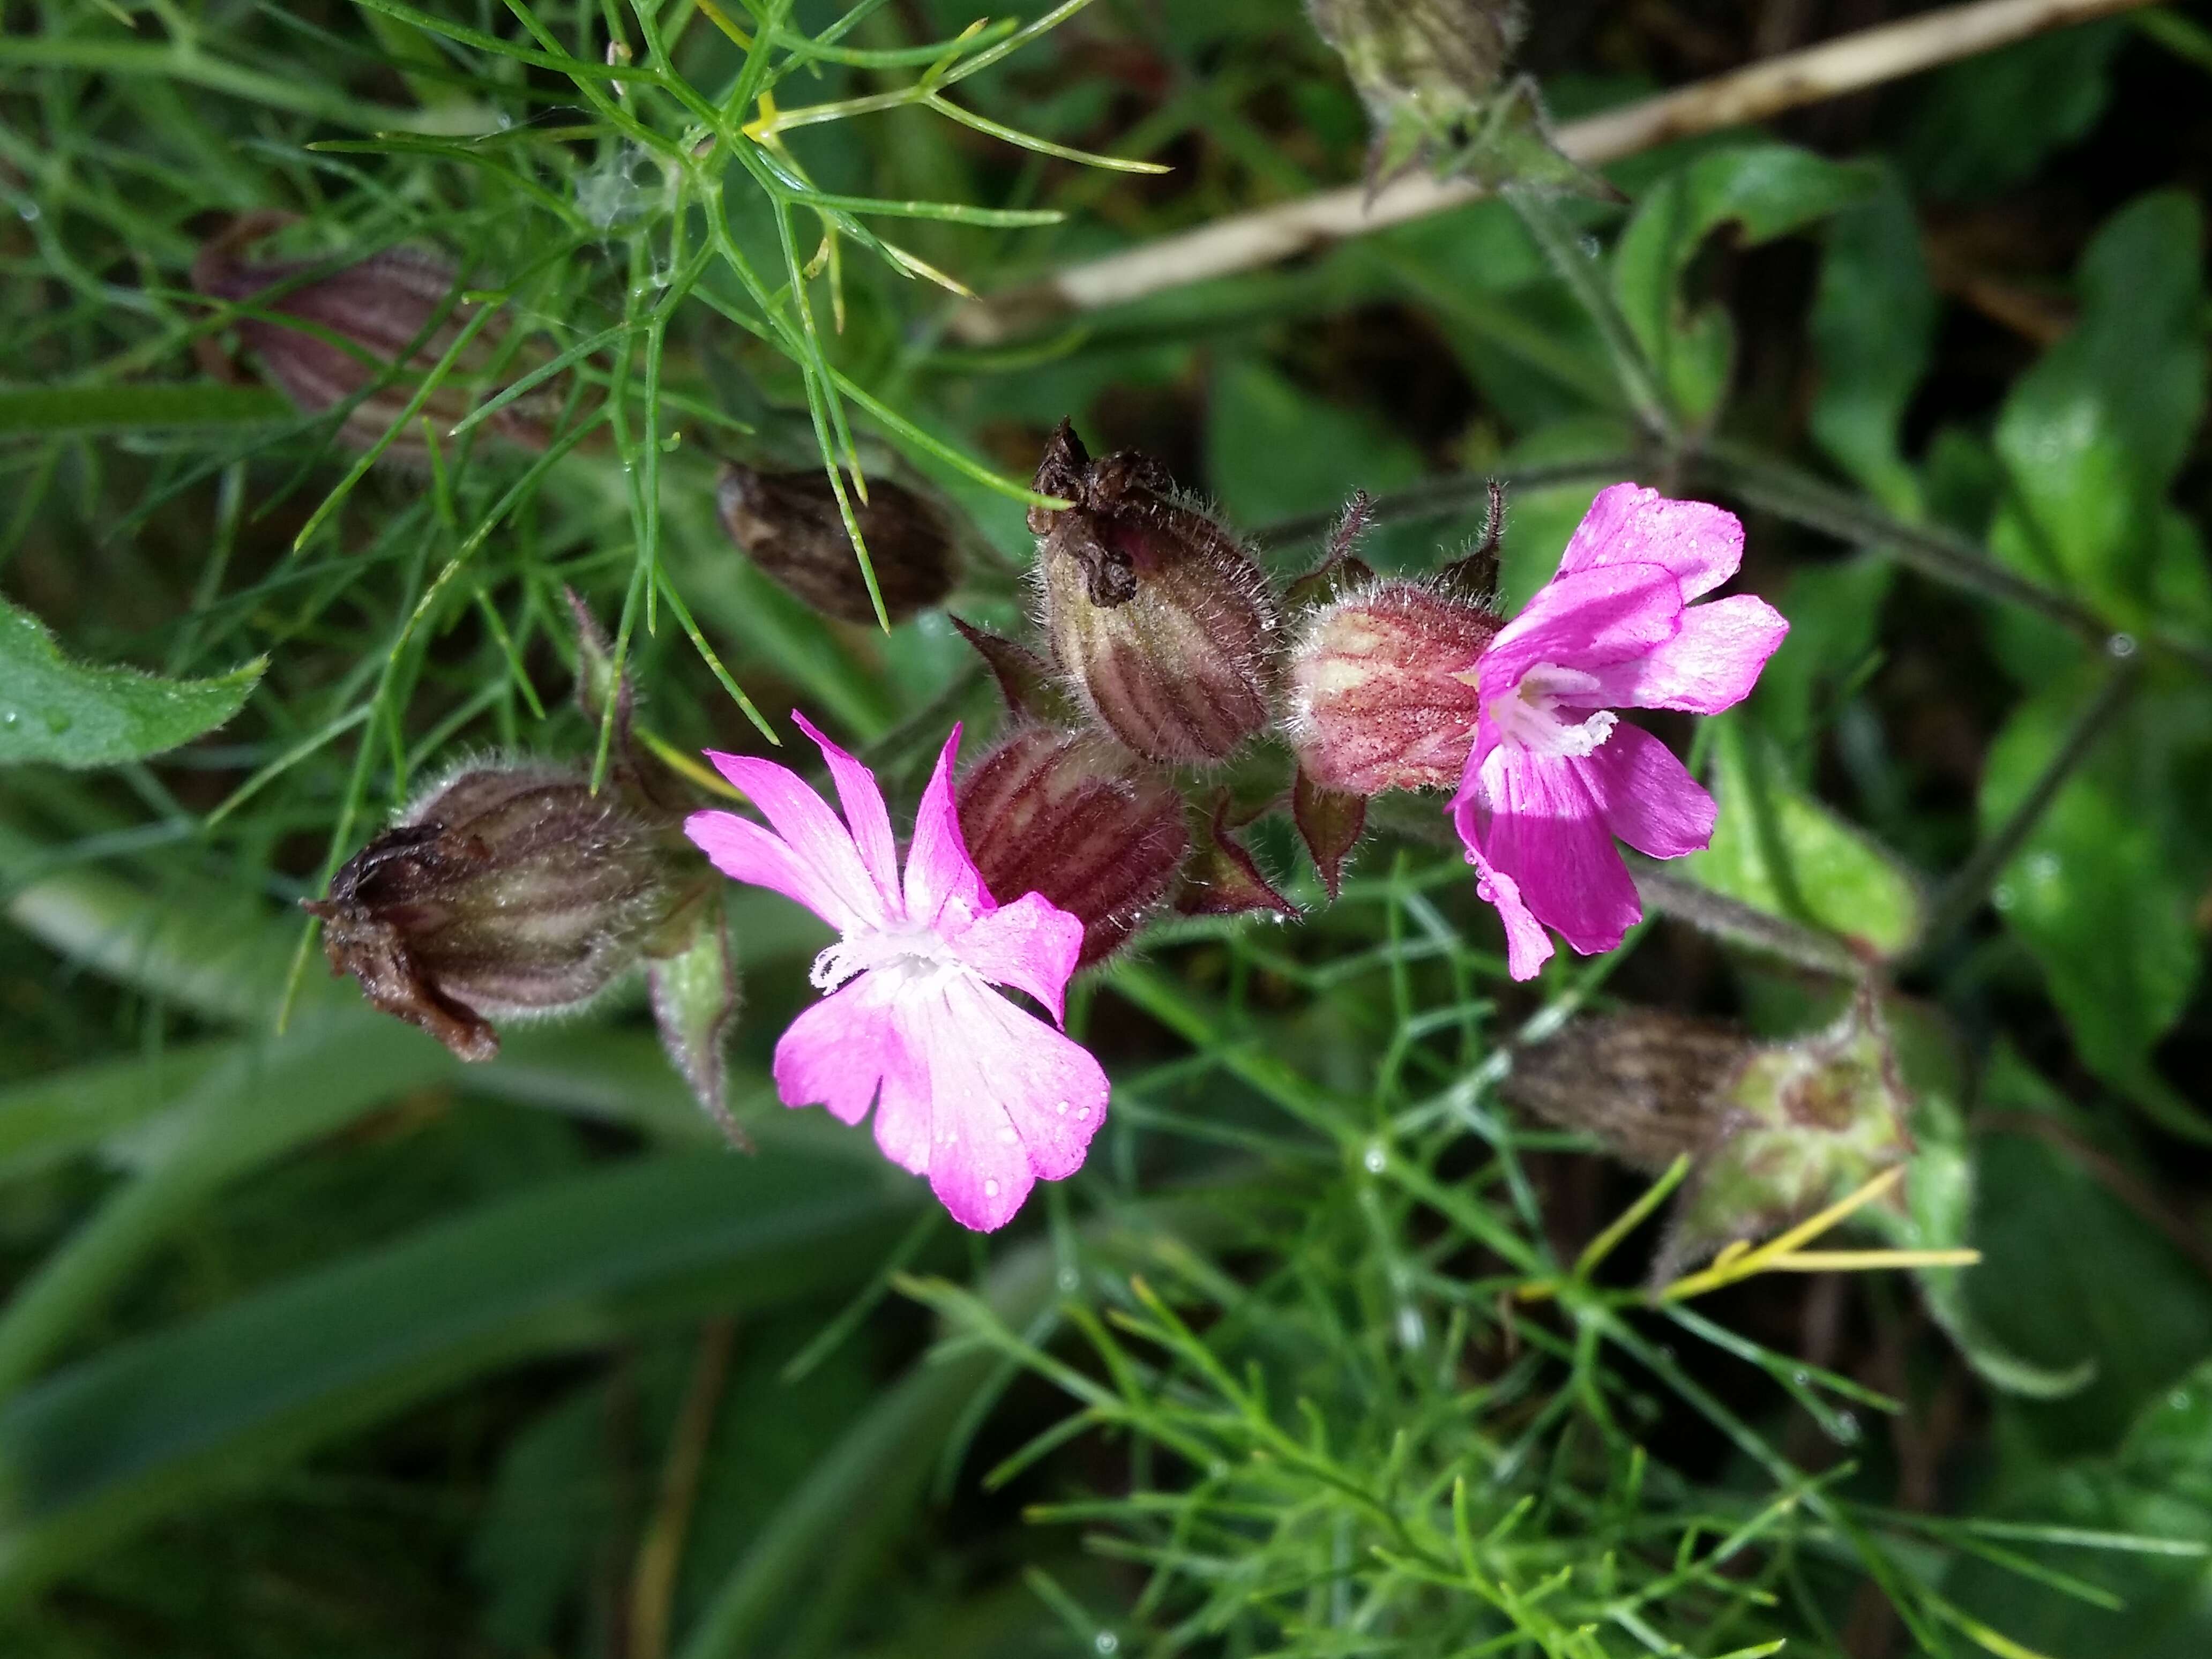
1031, 945
1528, 946
838, 1052
1014, 1101
1584, 621
1546, 833
743, 851
938, 868
864, 809
1701, 544
1648, 797
907, 1109
1711, 665
813, 833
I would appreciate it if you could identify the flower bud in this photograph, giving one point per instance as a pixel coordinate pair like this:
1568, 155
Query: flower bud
380, 305
1805, 1122
1425, 62
1159, 616
1777, 1131
789, 524
1079, 819
1432, 76
511, 889
1381, 688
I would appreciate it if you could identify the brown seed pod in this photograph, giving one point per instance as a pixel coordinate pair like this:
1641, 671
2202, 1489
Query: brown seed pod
511, 889
789, 524
1096, 831
1161, 621
381, 307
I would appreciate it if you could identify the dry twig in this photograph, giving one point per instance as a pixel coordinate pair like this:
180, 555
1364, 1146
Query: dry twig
1850, 64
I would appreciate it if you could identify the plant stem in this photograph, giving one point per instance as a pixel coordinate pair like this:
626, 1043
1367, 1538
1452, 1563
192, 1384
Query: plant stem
1969, 884
1442, 497
653, 1582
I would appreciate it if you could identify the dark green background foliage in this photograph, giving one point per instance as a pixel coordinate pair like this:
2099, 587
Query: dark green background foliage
318, 1343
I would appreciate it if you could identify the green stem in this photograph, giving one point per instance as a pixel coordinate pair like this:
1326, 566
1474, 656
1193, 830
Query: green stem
1962, 894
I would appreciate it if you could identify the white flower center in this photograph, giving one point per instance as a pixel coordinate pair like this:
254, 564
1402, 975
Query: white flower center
912, 950
1531, 715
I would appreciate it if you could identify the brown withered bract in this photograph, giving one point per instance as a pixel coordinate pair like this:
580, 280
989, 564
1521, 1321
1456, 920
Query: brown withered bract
1076, 818
510, 891
383, 306
1163, 623
789, 524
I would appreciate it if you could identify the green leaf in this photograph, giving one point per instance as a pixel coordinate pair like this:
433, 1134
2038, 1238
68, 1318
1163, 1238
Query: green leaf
1939, 1215
2137, 1526
1874, 327
2092, 435
1834, 610
2070, 1273
1275, 451
50, 1118
2095, 893
266, 1099
1767, 191
53, 709
1776, 848
1992, 120
120, 1439
55, 411
1539, 522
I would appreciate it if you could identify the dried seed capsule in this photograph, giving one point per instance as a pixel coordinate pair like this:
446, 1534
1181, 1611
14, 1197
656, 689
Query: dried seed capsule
1429, 61
1079, 819
1432, 74
380, 305
1777, 1131
1808, 1122
1381, 688
787, 523
1648, 1084
1158, 616
511, 889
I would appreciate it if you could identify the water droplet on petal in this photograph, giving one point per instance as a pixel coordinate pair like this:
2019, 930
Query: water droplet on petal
1061, 1106
990, 1189
1006, 1134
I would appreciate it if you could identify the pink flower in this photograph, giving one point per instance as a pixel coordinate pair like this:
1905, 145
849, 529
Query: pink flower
1555, 776
969, 1090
